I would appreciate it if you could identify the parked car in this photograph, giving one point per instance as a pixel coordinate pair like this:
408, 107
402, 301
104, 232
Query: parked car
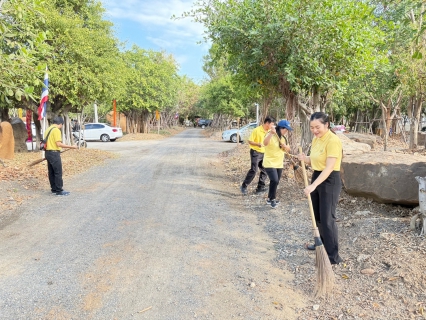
244, 132
204, 123
101, 131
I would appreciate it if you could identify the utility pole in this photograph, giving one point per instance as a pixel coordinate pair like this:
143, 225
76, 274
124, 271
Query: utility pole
257, 113
95, 107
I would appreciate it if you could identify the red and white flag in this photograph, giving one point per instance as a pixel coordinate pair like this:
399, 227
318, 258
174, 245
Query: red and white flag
44, 97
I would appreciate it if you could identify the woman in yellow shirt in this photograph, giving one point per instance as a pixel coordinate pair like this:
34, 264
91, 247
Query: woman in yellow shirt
275, 146
325, 187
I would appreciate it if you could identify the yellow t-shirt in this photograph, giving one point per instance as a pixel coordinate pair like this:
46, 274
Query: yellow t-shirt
257, 135
328, 146
274, 155
54, 136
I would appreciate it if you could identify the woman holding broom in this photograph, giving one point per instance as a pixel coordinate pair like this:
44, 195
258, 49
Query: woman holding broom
275, 146
325, 159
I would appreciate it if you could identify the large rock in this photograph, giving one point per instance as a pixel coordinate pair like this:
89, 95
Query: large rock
20, 133
362, 138
7, 142
384, 176
351, 147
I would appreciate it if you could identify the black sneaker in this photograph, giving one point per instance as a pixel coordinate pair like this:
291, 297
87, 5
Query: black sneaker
62, 193
243, 190
261, 189
274, 203
269, 201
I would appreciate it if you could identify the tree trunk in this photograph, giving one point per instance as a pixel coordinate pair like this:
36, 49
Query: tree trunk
316, 99
264, 108
385, 133
4, 114
144, 121
291, 107
416, 105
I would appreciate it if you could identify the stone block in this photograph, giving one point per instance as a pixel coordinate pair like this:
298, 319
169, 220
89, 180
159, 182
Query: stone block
385, 177
351, 147
7, 142
363, 138
20, 135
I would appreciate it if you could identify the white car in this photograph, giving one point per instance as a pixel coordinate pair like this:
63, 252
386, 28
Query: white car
101, 131
231, 134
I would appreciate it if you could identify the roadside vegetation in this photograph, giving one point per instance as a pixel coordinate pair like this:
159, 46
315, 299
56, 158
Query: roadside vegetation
362, 62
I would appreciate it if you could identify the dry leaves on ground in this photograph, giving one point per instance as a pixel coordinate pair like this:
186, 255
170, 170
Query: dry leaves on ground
19, 181
153, 135
383, 274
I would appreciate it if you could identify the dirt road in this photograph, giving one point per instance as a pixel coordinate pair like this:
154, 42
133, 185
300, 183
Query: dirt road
153, 234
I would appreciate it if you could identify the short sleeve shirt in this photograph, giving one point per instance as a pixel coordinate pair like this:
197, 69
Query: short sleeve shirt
257, 135
54, 137
328, 146
274, 155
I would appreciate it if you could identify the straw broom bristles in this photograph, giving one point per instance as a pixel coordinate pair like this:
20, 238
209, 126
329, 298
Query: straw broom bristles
298, 172
325, 274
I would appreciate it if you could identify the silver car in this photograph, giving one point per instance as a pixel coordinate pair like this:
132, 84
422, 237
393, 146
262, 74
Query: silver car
231, 134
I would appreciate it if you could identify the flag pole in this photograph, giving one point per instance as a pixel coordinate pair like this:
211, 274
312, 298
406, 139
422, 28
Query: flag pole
44, 131
43, 104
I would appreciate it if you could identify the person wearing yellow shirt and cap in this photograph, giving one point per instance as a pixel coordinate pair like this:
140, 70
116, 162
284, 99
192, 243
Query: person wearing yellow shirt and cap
257, 151
53, 156
325, 159
275, 147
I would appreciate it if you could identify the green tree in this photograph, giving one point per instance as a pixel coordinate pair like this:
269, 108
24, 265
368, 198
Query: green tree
21, 45
151, 84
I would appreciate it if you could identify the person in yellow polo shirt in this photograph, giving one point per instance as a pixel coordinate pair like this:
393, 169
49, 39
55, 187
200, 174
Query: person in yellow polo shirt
325, 159
257, 150
275, 146
53, 156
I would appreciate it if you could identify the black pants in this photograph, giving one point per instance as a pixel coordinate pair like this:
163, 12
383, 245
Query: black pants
54, 166
256, 162
324, 200
274, 175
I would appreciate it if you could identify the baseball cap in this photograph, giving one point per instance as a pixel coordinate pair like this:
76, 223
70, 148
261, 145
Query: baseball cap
285, 124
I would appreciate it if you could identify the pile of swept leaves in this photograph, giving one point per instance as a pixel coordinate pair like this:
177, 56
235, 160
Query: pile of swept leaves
18, 179
383, 275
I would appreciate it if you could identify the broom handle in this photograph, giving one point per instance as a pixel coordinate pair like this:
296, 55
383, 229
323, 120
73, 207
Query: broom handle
305, 177
43, 159
291, 155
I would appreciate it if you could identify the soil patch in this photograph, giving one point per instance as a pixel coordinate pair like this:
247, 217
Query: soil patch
382, 276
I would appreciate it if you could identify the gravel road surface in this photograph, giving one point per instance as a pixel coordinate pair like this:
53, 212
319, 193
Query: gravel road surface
153, 234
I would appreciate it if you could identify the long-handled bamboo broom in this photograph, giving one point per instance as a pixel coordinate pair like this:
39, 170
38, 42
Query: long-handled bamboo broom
325, 274
42, 159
